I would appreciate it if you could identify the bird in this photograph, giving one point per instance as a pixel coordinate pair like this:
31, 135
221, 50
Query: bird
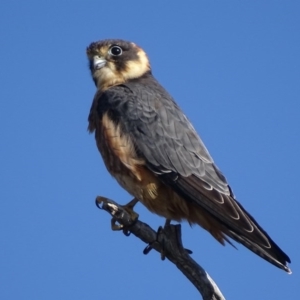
153, 151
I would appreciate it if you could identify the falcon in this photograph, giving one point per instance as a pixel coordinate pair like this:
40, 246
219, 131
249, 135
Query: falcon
153, 151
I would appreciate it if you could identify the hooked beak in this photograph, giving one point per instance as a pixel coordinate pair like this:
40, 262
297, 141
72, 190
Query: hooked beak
98, 62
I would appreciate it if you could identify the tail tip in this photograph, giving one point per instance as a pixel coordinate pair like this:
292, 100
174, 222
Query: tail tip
287, 269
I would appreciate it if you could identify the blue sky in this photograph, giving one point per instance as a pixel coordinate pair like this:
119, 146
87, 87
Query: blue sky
233, 67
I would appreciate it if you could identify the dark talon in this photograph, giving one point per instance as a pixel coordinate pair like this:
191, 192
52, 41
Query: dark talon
98, 205
126, 232
98, 202
147, 249
189, 251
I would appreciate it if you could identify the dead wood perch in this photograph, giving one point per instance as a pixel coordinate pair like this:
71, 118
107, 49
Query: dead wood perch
173, 250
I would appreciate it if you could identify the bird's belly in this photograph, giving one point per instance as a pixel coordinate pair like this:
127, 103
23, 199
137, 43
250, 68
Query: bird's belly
149, 190
156, 196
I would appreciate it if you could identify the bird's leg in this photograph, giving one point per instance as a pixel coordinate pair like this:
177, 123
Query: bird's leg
118, 211
167, 223
133, 216
162, 243
160, 240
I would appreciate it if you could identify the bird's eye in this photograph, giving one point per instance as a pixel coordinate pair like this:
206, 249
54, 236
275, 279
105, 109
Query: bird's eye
115, 51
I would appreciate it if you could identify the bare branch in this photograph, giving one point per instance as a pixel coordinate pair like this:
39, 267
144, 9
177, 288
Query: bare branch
167, 241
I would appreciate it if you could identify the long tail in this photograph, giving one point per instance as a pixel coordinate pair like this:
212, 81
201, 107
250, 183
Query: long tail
234, 220
274, 255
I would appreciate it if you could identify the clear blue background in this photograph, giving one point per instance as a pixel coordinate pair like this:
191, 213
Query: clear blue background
233, 66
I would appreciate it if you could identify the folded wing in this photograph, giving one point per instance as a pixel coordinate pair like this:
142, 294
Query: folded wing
165, 138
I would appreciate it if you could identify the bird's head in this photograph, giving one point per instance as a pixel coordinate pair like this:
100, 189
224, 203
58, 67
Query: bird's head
114, 62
